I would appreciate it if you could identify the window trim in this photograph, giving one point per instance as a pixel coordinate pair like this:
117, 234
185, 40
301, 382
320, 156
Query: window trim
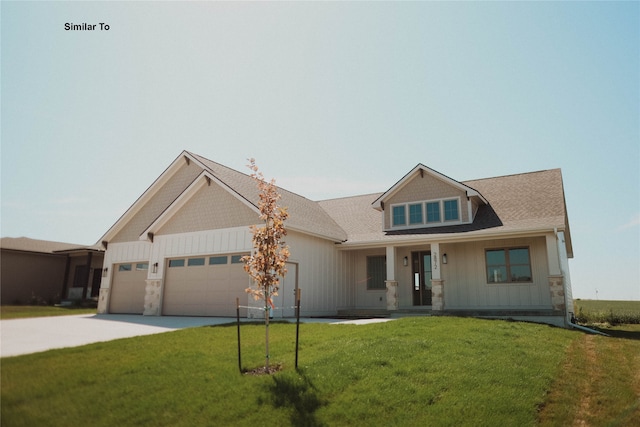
508, 265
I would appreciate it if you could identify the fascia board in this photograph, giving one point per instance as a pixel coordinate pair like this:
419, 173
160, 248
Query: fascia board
146, 196
203, 179
438, 238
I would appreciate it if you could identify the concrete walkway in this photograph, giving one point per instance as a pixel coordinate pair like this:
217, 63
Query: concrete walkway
24, 336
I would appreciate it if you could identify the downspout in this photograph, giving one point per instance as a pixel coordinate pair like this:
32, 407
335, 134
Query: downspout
571, 319
584, 328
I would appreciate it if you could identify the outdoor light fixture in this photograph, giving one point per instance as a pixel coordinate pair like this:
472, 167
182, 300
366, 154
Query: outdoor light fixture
444, 258
105, 272
405, 261
155, 268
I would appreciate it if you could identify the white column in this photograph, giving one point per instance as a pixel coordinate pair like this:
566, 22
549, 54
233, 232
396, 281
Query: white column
392, 284
437, 284
391, 263
435, 262
553, 257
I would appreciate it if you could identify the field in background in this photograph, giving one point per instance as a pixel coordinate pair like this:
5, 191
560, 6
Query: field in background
607, 312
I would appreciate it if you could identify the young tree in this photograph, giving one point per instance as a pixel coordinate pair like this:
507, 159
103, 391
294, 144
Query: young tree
267, 263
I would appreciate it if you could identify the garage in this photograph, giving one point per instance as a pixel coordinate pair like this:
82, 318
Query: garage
205, 286
128, 288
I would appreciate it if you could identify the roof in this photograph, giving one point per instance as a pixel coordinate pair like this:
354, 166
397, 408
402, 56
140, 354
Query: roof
25, 244
304, 215
528, 203
517, 203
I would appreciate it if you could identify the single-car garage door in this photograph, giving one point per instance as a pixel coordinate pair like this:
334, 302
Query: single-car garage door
205, 286
128, 288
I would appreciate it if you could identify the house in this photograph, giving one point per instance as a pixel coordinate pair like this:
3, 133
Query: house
40, 271
429, 244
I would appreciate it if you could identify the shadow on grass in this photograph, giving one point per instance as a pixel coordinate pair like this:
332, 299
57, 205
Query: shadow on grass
295, 391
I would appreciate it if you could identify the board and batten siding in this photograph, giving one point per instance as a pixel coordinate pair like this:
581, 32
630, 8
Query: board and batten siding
322, 274
465, 282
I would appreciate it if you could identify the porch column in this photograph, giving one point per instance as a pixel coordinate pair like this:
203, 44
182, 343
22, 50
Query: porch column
437, 284
391, 282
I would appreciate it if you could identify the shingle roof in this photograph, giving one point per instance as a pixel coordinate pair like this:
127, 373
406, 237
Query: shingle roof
517, 202
26, 244
304, 214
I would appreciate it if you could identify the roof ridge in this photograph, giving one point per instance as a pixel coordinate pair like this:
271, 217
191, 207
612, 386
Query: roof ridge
512, 174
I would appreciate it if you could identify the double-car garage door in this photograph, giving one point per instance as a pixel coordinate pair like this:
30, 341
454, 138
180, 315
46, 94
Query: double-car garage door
204, 286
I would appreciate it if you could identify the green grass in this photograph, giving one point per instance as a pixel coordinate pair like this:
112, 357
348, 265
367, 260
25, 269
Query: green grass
24, 311
413, 371
607, 312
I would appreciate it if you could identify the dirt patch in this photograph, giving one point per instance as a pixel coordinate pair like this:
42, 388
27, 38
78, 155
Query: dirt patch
263, 370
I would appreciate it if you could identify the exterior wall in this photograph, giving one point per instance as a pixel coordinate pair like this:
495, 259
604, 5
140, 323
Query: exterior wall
365, 298
465, 283
323, 274
211, 208
25, 276
422, 188
323, 271
158, 203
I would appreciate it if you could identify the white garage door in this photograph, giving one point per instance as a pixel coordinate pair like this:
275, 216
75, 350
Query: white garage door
128, 288
205, 286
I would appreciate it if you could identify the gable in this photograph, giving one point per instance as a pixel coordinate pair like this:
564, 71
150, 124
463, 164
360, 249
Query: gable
155, 200
422, 191
211, 207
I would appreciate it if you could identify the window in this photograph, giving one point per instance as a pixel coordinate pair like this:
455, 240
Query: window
195, 262
450, 210
236, 259
508, 265
415, 214
433, 212
399, 217
124, 267
176, 263
376, 272
217, 260
142, 266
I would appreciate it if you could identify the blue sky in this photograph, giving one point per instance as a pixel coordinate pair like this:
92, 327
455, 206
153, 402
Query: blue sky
332, 99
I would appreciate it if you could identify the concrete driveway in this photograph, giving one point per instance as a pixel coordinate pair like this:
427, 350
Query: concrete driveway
24, 336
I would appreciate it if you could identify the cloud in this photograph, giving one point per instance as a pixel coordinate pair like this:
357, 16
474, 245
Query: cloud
635, 222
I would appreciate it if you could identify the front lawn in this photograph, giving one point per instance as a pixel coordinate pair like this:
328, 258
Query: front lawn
413, 371
24, 311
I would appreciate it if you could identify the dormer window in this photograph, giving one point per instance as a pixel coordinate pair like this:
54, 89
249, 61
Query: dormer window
426, 213
399, 215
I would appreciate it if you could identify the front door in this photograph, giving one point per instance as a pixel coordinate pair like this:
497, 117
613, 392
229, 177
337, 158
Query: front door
421, 278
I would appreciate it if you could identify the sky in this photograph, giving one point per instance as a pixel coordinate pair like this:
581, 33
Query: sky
332, 99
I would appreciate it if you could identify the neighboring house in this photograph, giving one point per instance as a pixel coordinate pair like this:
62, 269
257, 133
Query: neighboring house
40, 271
429, 244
